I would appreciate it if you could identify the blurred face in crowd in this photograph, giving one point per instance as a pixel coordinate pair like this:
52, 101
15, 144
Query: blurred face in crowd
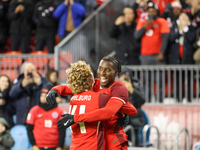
176, 11
129, 15
153, 12
29, 68
2, 128
4, 83
143, 4
53, 77
43, 97
184, 19
106, 73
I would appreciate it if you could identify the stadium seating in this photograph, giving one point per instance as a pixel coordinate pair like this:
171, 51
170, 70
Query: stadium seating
10, 65
19, 134
68, 137
140, 136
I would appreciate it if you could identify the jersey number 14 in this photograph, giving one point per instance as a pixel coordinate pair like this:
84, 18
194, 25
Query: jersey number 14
81, 111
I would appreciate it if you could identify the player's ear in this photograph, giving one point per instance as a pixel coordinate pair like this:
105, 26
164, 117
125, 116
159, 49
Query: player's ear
116, 73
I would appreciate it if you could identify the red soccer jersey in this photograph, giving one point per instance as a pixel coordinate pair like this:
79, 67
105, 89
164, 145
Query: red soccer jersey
87, 135
45, 129
114, 133
151, 41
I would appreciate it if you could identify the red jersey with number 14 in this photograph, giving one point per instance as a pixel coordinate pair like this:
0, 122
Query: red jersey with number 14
87, 136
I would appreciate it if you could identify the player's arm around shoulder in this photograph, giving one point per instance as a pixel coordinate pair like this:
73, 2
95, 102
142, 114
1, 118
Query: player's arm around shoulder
119, 91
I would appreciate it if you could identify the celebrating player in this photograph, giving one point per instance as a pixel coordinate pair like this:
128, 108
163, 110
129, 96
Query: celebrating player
85, 135
108, 69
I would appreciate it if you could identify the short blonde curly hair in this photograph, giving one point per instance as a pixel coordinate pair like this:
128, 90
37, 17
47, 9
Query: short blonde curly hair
78, 76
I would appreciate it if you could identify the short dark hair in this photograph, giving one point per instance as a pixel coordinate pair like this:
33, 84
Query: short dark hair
115, 61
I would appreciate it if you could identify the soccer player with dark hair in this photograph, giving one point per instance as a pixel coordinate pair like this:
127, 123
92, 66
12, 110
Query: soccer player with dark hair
114, 135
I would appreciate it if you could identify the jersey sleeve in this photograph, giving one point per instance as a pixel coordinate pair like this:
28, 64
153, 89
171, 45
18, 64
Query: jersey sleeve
164, 26
120, 92
128, 109
63, 89
140, 25
105, 113
31, 116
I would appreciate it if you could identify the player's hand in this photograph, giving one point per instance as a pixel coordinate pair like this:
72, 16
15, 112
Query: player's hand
51, 97
65, 122
123, 121
160, 57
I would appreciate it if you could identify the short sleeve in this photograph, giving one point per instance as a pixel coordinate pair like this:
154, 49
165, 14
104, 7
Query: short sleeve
120, 92
31, 116
164, 26
140, 24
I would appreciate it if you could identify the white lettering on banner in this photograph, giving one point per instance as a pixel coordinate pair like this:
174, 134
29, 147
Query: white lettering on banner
81, 98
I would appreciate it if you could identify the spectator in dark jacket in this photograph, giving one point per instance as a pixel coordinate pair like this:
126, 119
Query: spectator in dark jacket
6, 140
20, 13
5, 86
182, 36
26, 92
4, 25
70, 16
127, 47
136, 98
46, 25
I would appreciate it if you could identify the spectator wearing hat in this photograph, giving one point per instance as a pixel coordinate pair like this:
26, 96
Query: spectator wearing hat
172, 12
26, 92
154, 34
46, 25
19, 14
44, 117
182, 36
6, 140
127, 47
70, 16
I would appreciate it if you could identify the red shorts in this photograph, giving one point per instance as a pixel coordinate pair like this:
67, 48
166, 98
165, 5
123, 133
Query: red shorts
116, 141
